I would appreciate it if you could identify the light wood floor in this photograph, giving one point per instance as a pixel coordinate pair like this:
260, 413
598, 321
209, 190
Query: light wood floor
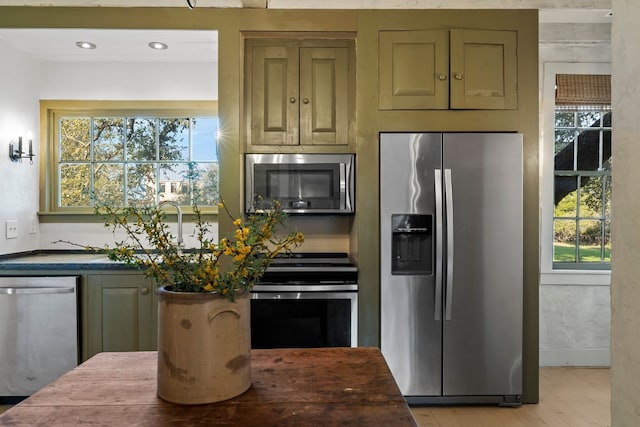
569, 397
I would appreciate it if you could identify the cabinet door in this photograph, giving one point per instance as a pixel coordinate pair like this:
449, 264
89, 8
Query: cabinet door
121, 313
413, 70
274, 95
324, 95
484, 67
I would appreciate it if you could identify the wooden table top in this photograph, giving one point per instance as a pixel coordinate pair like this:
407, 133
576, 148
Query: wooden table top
290, 387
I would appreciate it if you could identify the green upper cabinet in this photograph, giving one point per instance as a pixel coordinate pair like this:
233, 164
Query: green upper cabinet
413, 70
484, 69
447, 69
299, 92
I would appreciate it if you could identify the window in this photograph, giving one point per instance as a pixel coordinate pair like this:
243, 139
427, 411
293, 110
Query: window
132, 157
582, 172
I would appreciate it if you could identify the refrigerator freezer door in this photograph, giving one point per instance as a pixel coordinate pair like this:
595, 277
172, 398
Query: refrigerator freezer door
410, 334
482, 343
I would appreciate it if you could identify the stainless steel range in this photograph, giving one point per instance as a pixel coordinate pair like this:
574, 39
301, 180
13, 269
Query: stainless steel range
306, 300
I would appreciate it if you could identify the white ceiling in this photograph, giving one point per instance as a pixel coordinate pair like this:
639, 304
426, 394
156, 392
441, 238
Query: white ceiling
114, 45
201, 46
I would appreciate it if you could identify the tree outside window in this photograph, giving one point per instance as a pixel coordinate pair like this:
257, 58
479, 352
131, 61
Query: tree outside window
582, 179
127, 160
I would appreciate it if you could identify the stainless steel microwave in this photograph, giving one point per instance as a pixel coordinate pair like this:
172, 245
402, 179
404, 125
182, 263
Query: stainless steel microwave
303, 183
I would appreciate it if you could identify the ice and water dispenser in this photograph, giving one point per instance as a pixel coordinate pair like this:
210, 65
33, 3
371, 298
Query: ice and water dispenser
411, 244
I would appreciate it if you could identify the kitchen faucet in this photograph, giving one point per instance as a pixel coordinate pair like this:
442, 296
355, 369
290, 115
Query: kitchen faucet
179, 213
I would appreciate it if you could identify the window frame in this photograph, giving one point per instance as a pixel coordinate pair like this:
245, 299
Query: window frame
577, 174
547, 126
51, 111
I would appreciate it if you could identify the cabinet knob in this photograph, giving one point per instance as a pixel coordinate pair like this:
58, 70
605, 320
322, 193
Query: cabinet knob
144, 291
458, 76
442, 77
292, 100
306, 100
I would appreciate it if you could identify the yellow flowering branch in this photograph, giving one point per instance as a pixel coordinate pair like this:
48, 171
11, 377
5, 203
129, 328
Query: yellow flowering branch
229, 266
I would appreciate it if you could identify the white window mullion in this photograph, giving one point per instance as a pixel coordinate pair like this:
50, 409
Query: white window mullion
548, 162
92, 164
127, 160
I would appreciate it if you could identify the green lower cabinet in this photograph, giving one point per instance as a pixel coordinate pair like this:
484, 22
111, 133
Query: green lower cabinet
120, 314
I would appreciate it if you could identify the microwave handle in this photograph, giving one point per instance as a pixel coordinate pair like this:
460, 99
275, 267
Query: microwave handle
249, 192
345, 172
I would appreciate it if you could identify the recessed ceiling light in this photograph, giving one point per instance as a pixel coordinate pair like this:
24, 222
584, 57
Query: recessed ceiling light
86, 45
158, 45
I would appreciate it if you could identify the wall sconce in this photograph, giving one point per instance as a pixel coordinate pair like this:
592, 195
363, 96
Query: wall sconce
16, 154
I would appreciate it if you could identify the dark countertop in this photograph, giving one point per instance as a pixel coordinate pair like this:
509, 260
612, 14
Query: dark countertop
59, 260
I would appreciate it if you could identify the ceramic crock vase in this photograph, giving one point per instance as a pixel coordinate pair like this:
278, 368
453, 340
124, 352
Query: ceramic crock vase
204, 347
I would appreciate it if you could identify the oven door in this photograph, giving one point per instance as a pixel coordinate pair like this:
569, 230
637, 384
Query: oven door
304, 319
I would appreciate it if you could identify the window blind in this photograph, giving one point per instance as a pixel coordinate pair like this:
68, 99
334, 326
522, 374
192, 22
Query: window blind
583, 91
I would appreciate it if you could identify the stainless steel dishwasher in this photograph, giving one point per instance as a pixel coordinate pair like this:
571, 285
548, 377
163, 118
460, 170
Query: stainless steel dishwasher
38, 331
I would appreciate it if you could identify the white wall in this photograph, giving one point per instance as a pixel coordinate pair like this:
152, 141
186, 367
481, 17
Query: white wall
575, 316
19, 113
129, 81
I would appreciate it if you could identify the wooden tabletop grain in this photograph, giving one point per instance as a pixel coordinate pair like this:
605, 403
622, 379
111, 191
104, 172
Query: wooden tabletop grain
290, 387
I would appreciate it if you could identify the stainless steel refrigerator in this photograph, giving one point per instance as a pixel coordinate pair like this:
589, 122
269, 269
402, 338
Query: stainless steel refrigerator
451, 265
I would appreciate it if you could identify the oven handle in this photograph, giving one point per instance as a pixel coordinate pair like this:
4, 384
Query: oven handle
276, 268
304, 295
306, 283
309, 289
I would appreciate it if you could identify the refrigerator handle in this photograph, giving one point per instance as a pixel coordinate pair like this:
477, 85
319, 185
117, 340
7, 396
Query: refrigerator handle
448, 302
438, 264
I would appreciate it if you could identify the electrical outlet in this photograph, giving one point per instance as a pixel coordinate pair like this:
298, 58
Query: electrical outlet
33, 225
12, 229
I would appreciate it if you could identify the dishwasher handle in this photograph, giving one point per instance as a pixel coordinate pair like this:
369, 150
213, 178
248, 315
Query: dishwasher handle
36, 290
